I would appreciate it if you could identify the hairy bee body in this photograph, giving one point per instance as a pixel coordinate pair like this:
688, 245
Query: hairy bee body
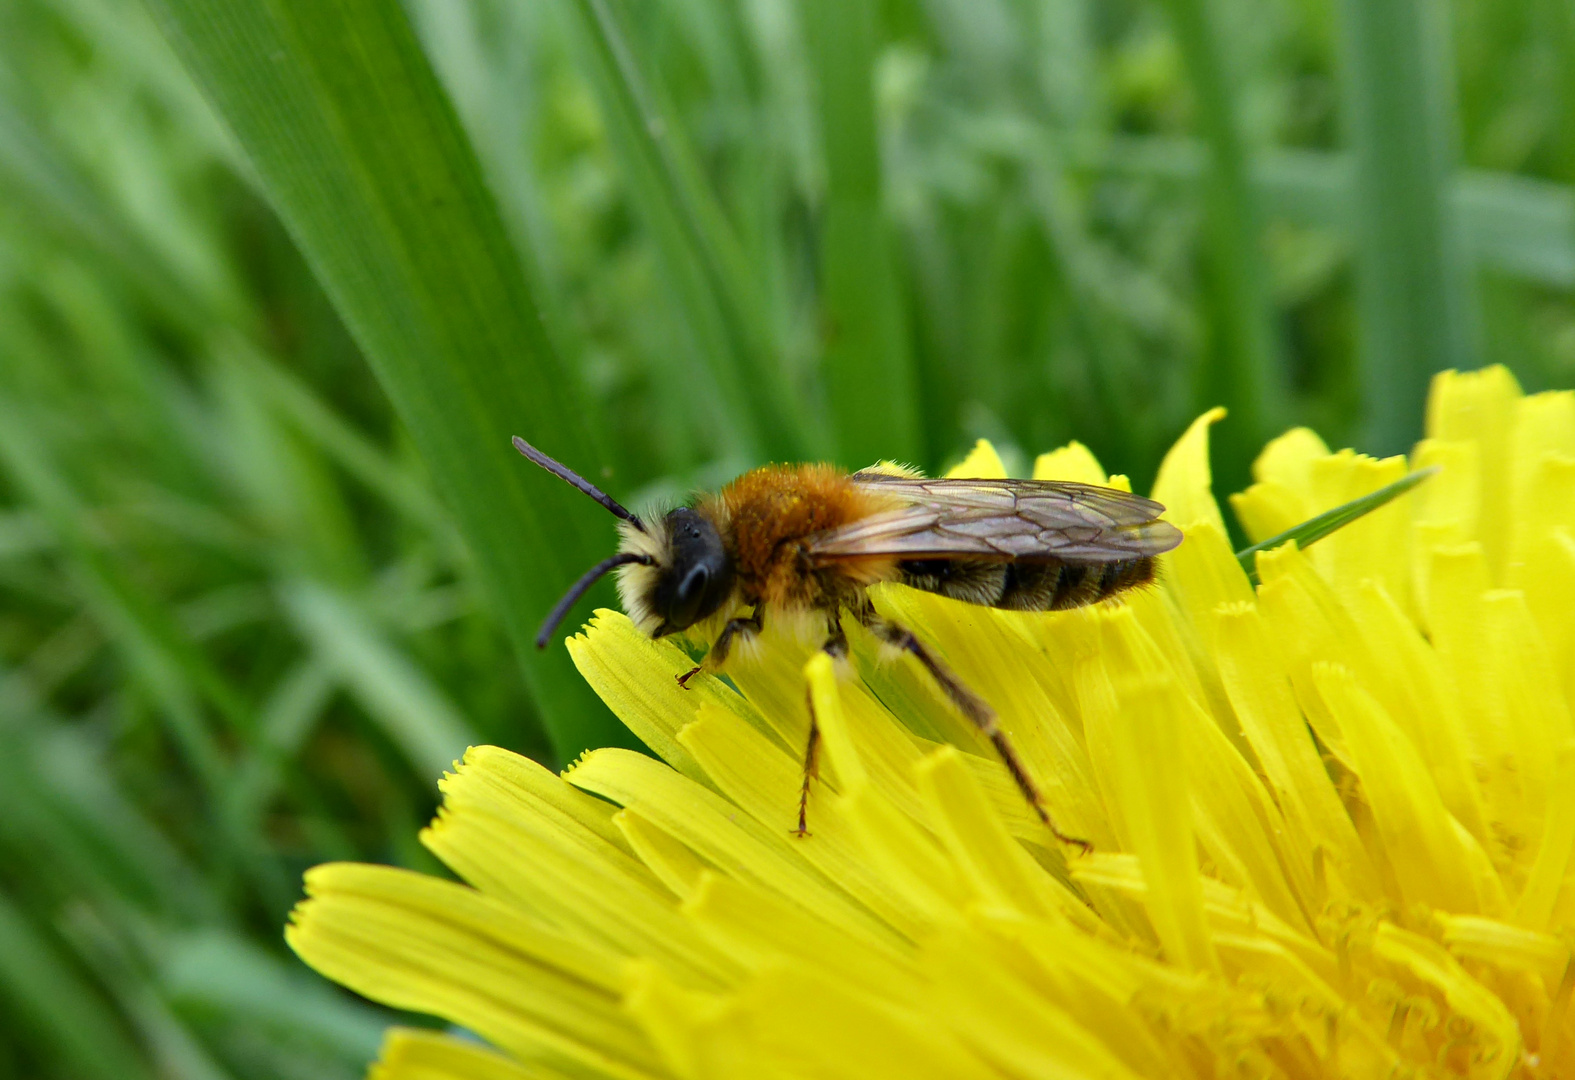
768, 515
767, 519
797, 545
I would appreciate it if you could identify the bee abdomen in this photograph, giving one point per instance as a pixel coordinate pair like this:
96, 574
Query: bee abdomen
1024, 586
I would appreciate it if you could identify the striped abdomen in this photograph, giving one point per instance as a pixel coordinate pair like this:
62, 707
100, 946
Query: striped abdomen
1026, 586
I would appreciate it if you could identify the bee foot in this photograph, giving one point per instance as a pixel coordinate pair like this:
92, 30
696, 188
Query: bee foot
683, 680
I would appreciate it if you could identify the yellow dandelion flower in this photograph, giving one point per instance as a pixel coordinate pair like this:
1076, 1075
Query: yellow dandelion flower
1333, 818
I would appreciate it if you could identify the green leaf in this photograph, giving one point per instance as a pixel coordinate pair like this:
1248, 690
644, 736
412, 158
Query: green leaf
866, 360
55, 1007
416, 715
209, 972
57, 199
733, 377
1414, 288
1316, 528
1519, 225
354, 144
1244, 371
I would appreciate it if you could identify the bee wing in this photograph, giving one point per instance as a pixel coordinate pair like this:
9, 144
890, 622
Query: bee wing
1005, 520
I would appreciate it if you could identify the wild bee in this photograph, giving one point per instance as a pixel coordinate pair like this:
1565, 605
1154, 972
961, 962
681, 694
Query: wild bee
785, 544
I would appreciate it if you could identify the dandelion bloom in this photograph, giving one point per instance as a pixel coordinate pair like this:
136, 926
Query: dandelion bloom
1332, 818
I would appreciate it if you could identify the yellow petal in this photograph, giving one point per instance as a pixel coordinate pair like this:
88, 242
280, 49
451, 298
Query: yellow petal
1261, 695
1555, 848
1308, 624
1514, 948
1375, 547
1545, 424
999, 871
1445, 508
764, 931
1185, 481
1268, 509
674, 865
982, 463
1546, 507
1288, 459
1435, 861
764, 783
637, 678
432, 946
1203, 573
1143, 733
908, 692
1544, 432
1005, 1022
855, 1036
735, 843
1092, 978
1413, 689
992, 652
1460, 634
1232, 814
530, 789
1074, 462
1199, 577
1480, 407
1500, 1049
861, 741
1236, 821
908, 856
592, 893
1343, 1043
1547, 578
673, 1018
414, 1054
1535, 711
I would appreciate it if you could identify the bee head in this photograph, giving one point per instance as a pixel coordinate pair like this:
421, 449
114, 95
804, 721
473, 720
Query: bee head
689, 578
674, 571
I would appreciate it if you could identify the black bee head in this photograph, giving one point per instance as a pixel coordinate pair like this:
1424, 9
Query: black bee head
695, 574
671, 573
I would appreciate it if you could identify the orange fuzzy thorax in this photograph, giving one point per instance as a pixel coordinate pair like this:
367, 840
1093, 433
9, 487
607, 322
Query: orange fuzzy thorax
764, 514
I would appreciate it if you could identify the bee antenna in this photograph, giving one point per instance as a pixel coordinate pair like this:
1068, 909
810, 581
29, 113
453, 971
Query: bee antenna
568, 475
581, 587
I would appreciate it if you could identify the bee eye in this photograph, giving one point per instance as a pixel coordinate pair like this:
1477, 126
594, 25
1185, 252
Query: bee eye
686, 601
693, 585
699, 576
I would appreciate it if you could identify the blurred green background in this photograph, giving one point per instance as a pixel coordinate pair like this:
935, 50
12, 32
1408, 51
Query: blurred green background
278, 279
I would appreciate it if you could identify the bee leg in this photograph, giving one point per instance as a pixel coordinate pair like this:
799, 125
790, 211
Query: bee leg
724, 643
974, 708
836, 647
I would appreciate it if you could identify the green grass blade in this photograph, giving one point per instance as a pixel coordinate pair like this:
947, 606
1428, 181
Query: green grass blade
56, 1007
348, 447
866, 360
216, 972
56, 199
155, 650
417, 717
356, 147
737, 368
1316, 528
1414, 289
1243, 371
1518, 225
69, 810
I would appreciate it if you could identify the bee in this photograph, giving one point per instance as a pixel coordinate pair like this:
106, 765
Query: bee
790, 543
